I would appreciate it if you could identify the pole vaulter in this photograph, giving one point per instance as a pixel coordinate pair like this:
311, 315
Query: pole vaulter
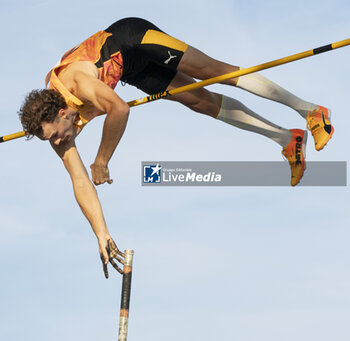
219, 79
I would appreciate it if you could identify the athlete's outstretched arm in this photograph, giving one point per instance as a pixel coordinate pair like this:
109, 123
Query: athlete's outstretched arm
86, 196
101, 96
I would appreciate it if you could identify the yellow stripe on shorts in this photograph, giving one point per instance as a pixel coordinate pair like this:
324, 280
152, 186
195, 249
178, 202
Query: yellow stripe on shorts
160, 38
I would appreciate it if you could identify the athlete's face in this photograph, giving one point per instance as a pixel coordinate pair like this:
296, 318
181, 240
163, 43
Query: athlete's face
61, 129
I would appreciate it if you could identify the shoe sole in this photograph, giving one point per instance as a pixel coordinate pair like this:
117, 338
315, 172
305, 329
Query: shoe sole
303, 148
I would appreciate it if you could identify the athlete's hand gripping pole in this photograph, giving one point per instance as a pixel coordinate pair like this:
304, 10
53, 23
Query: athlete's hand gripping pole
125, 299
109, 253
219, 79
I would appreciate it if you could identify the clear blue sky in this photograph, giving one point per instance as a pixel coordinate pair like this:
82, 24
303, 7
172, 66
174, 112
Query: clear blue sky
247, 264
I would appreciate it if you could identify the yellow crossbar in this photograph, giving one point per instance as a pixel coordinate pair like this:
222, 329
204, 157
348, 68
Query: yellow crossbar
219, 79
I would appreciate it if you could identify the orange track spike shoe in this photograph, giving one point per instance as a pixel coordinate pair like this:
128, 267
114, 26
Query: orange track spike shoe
318, 122
295, 154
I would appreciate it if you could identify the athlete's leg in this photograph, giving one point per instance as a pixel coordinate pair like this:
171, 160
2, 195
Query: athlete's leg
227, 110
199, 100
235, 113
198, 65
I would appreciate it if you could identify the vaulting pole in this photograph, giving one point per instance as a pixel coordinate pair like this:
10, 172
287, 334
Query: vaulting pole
222, 78
125, 299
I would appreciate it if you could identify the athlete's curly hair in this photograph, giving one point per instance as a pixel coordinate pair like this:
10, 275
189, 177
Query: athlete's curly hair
40, 106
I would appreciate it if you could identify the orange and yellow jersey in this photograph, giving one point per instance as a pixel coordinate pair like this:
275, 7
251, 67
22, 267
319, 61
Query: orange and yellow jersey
101, 50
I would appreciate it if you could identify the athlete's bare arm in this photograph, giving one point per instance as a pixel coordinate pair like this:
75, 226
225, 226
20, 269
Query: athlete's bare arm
86, 196
87, 87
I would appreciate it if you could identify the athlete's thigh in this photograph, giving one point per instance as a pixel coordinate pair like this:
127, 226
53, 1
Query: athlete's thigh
198, 65
199, 100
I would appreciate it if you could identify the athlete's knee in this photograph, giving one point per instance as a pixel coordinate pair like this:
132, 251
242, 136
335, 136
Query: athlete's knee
195, 105
225, 69
208, 105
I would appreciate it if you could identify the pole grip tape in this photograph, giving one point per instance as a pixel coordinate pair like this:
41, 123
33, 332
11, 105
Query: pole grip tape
126, 289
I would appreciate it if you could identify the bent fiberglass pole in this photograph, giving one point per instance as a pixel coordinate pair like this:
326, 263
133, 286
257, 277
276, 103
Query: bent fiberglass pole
219, 79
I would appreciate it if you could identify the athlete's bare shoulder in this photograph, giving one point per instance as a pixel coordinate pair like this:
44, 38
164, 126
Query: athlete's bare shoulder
84, 66
69, 72
68, 76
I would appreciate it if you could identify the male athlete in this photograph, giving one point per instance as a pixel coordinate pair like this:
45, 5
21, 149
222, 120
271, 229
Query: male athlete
137, 52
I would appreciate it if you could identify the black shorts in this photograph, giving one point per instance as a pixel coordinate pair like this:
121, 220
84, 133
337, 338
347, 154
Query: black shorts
150, 56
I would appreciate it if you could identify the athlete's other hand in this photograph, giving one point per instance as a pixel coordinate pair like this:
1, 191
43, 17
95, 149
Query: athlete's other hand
100, 174
109, 252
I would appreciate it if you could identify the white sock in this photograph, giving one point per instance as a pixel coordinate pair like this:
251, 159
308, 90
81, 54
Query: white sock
237, 114
261, 86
